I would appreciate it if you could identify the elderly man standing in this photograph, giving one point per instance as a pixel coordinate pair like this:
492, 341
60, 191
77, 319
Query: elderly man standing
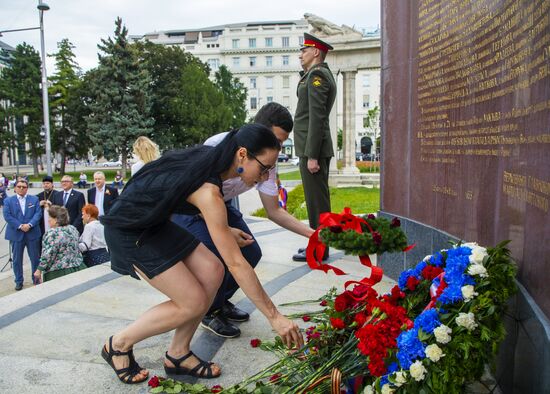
22, 214
316, 93
102, 196
73, 200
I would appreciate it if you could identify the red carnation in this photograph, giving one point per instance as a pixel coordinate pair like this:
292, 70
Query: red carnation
336, 229
412, 282
275, 378
323, 303
430, 272
341, 302
306, 318
154, 382
337, 323
360, 318
371, 216
396, 293
395, 223
377, 238
216, 389
255, 342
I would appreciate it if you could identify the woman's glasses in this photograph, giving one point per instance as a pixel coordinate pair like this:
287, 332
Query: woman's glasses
265, 169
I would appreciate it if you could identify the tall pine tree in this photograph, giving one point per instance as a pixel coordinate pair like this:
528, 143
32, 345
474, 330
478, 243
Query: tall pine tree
21, 85
65, 138
120, 92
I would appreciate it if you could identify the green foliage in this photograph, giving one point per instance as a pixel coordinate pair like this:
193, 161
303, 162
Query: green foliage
234, 94
21, 86
68, 138
120, 97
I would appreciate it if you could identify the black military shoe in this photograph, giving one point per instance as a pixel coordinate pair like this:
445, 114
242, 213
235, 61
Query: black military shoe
301, 256
18, 286
231, 312
220, 326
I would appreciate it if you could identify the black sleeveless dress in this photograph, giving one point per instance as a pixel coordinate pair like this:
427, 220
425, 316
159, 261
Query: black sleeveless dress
138, 229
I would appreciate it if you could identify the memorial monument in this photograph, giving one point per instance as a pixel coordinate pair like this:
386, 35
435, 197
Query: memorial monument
466, 149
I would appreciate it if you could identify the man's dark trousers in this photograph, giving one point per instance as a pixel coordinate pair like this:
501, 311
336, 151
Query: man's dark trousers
252, 253
316, 190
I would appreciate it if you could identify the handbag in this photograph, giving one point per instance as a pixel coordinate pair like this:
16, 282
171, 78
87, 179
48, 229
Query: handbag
96, 256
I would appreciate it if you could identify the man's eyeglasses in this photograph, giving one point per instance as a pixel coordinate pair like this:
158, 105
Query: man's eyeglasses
22, 187
265, 169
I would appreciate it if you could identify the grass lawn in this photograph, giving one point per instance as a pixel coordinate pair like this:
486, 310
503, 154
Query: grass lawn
359, 199
290, 176
109, 175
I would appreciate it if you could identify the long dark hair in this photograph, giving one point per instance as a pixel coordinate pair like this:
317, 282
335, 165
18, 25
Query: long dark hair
161, 186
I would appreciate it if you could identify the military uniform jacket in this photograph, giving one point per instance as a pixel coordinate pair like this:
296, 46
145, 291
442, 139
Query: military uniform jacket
316, 93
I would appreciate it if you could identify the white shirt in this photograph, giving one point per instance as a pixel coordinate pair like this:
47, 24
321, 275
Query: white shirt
99, 196
136, 167
234, 186
92, 237
22, 201
67, 194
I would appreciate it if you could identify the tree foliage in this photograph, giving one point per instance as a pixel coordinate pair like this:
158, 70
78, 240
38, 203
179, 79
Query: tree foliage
21, 86
234, 94
120, 98
67, 137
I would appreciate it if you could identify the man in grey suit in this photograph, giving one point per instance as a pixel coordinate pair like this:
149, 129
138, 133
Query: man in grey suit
316, 94
22, 214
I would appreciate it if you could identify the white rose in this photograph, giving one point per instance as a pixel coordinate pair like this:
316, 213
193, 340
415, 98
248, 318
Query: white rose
442, 334
477, 269
468, 292
427, 258
434, 352
466, 320
386, 389
418, 372
400, 378
368, 390
471, 245
478, 254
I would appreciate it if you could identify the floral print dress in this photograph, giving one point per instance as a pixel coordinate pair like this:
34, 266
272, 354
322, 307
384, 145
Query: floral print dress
60, 250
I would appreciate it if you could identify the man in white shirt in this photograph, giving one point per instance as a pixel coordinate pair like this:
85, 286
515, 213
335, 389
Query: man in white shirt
218, 318
102, 196
73, 200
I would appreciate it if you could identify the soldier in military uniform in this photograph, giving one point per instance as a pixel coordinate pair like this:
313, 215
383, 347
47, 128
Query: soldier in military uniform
316, 93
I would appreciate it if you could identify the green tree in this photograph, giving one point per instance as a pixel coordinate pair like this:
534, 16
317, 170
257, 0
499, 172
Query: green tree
120, 104
21, 86
372, 122
234, 94
65, 138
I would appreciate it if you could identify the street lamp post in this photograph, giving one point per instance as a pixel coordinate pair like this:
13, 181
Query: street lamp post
45, 102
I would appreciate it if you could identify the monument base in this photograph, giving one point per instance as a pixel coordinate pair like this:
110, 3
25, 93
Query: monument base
360, 179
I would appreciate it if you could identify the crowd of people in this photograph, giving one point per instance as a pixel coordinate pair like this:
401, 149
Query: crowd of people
174, 224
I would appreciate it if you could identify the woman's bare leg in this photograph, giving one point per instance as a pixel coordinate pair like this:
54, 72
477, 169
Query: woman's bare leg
188, 303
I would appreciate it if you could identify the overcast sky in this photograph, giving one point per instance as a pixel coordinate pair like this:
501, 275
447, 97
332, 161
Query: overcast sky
84, 23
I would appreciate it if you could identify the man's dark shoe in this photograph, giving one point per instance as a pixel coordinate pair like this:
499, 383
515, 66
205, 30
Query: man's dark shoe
220, 326
231, 312
301, 250
18, 286
301, 256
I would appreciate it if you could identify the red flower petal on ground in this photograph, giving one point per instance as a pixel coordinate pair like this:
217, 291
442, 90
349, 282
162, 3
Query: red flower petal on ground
275, 378
306, 318
216, 389
323, 303
412, 282
154, 382
337, 323
255, 342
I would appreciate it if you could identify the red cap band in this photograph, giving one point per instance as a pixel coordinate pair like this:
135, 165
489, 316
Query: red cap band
316, 44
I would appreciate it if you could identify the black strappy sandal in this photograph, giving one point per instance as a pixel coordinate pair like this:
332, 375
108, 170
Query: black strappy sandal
125, 375
198, 371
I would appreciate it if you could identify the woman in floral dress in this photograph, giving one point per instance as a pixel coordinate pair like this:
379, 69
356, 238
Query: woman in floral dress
60, 254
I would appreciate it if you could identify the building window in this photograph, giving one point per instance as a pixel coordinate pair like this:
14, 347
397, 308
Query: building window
286, 81
269, 82
235, 43
252, 61
236, 62
252, 82
214, 64
269, 61
268, 42
252, 43
269, 99
286, 101
366, 101
286, 42
253, 103
301, 40
366, 81
286, 60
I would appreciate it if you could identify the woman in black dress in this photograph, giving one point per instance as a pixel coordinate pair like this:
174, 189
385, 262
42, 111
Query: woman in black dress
143, 241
